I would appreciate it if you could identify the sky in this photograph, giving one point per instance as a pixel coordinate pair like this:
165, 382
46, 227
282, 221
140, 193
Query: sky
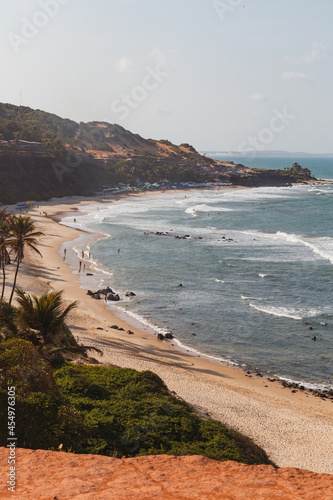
221, 75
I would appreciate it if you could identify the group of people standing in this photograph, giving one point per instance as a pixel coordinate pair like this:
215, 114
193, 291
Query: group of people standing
80, 260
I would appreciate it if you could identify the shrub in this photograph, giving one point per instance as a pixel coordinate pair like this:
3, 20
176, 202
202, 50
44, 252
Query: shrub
122, 412
22, 366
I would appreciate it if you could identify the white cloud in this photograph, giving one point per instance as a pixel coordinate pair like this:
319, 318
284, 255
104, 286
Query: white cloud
258, 97
124, 65
316, 53
292, 75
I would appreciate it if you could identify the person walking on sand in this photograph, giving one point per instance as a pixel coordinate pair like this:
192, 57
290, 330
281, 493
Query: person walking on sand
65, 253
80, 265
82, 253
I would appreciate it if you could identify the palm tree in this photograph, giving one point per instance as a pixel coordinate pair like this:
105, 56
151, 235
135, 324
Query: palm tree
22, 235
46, 316
4, 254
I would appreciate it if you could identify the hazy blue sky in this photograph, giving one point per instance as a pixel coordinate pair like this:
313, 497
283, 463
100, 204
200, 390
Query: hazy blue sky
221, 75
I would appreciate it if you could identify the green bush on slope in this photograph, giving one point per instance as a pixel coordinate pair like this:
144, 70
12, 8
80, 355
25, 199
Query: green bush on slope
121, 412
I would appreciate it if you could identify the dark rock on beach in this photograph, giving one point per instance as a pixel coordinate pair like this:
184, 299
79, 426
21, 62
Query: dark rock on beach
116, 327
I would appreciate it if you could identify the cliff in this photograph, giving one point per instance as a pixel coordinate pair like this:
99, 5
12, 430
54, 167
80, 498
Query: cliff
62, 476
43, 155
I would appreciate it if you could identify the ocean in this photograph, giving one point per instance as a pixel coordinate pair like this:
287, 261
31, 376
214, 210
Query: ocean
241, 275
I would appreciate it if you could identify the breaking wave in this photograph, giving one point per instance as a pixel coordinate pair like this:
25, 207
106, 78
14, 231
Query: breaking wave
285, 312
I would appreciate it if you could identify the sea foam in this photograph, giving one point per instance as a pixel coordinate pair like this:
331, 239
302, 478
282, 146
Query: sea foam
285, 312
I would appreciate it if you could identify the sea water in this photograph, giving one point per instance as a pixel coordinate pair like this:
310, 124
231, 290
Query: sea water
243, 275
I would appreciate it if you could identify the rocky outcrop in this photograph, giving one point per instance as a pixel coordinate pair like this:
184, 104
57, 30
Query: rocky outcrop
264, 177
108, 293
46, 475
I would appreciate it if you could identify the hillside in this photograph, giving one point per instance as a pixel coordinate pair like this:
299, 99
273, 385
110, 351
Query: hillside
43, 155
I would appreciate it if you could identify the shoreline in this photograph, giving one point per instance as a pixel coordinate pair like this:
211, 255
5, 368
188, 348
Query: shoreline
132, 318
269, 414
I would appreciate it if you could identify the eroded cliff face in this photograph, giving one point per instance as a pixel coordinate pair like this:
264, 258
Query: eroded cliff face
41, 474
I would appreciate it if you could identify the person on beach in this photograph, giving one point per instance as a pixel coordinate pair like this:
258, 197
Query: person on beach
82, 253
74, 220
65, 253
80, 265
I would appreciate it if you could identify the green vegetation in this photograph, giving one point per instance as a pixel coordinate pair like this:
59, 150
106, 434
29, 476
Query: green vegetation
32, 125
299, 172
4, 252
110, 411
21, 234
16, 233
149, 170
41, 322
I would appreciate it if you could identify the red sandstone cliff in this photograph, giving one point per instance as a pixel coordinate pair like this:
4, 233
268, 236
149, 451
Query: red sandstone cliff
60, 476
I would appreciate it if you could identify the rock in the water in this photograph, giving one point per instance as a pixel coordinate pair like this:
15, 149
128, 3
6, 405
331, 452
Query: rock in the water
113, 296
168, 336
105, 291
160, 336
130, 294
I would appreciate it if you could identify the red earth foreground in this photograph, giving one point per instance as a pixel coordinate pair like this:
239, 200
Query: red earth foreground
53, 475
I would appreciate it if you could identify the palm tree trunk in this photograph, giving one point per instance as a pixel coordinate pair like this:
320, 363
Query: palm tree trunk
14, 284
3, 282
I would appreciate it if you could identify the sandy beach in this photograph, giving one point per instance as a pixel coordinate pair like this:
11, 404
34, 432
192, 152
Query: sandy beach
295, 429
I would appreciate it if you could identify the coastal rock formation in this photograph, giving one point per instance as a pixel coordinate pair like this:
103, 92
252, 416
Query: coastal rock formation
107, 292
113, 296
106, 155
45, 475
